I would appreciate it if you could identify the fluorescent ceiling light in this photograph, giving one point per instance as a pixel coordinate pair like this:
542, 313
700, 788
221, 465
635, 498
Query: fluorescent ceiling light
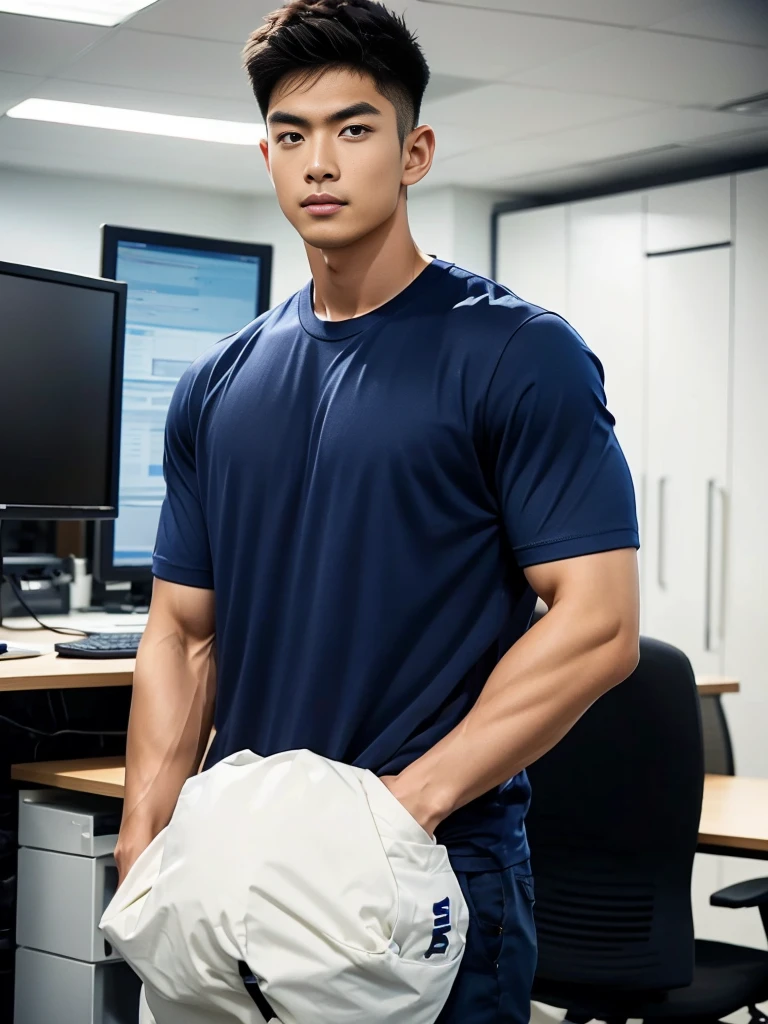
106, 12
203, 129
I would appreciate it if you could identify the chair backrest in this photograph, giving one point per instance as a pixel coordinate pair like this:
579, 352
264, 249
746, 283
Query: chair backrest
613, 828
718, 752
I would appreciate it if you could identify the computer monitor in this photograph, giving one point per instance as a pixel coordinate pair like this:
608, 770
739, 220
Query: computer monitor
61, 368
184, 294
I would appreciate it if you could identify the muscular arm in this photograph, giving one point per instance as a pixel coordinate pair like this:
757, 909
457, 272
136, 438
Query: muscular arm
585, 644
171, 716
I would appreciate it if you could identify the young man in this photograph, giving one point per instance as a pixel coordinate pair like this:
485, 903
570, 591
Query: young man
366, 490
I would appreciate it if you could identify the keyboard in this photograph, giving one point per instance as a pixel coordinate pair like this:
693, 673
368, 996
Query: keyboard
101, 645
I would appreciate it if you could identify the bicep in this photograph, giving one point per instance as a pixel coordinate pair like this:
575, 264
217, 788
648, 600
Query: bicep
601, 587
182, 611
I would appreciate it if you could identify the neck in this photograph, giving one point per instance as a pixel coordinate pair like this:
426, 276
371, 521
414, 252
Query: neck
362, 276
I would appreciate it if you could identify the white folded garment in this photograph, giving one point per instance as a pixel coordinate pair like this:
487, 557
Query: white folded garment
313, 874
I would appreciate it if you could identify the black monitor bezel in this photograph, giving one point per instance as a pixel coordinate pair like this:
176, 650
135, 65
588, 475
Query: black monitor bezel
111, 236
120, 290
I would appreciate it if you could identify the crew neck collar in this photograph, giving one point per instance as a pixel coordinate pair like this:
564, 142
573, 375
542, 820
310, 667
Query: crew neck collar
338, 330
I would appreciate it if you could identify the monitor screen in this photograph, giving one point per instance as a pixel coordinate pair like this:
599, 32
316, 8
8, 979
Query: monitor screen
184, 295
61, 348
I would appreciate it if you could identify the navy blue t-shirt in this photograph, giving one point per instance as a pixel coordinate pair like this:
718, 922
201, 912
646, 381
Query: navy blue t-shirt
363, 496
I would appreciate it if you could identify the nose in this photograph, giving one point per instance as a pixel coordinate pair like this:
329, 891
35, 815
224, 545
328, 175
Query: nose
321, 165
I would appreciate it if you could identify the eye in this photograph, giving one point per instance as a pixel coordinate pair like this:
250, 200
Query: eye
361, 126
285, 134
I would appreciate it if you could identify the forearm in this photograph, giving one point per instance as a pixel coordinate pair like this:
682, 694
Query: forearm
536, 693
170, 721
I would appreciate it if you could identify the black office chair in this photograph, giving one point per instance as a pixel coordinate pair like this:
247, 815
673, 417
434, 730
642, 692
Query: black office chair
718, 752
613, 830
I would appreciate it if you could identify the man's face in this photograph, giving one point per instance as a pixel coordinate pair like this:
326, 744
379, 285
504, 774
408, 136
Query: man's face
357, 159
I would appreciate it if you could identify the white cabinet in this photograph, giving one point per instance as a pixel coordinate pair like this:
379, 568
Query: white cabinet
746, 650
688, 215
683, 338
531, 256
662, 327
687, 428
606, 267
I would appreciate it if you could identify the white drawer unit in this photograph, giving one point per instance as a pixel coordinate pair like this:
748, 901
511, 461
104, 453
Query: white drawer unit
61, 898
56, 990
66, 972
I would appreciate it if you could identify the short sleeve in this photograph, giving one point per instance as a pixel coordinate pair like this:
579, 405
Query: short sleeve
561, 480
182, 550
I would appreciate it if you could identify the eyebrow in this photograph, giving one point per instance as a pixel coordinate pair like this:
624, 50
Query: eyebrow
285, 117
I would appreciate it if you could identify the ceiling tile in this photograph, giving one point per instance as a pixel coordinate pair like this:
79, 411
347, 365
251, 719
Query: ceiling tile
140, 99
68, 149
452, 139
629, 13
623, 138
605, 175
654, 66
165, 63
37, 46
14, 88
664, 126
505, 42
508, 111
229, 22
734, 21
442, 86
734, 143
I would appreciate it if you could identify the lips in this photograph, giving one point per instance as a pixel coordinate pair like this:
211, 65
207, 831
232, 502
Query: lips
323, 200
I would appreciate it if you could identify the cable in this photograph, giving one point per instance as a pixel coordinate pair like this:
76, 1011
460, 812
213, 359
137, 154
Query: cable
62, 732
17, 591
42, 625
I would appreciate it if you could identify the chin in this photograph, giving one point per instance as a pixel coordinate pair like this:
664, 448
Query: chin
330, 238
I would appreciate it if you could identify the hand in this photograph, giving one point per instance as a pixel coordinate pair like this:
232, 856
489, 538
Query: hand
414, 802
129, 848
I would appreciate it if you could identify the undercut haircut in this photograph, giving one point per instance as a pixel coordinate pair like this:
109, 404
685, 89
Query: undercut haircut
305, 38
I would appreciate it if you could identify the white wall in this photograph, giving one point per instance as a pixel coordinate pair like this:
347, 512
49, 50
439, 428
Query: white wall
455, 224
472, 227
684, 339
268, 224
53, 221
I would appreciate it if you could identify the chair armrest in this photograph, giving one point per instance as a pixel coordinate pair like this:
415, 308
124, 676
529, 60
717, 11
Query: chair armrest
753, 893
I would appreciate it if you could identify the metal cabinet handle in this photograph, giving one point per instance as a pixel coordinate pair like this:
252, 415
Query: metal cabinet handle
711, 486
661, 557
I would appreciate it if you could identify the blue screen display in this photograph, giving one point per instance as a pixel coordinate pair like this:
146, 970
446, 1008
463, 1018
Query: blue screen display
180, 302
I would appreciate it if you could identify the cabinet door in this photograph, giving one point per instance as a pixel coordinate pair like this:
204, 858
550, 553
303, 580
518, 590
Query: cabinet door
688, 390
748, 561
606, 267
690, 214
531, 255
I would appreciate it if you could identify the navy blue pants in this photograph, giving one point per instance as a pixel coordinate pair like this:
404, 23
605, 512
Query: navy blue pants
493, 984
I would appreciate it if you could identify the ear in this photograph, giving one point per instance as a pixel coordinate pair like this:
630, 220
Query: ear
419, 150
264, 147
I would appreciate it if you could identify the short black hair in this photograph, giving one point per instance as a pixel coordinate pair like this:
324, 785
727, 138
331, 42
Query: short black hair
306, 37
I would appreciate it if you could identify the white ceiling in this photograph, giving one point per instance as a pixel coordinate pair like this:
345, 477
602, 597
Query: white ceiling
529, 96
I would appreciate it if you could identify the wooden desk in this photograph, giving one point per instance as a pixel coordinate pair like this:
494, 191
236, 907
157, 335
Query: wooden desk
734, 816
104, 776
711, 686
50, 672
734, 813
